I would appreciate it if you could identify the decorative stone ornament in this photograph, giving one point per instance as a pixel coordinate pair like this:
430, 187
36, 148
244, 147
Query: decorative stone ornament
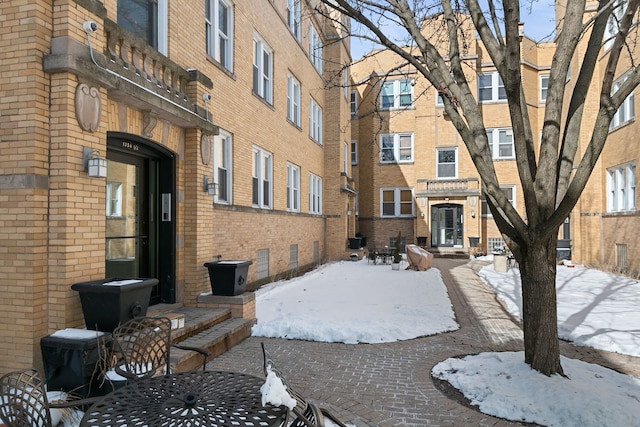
88, 107
205, 148
149, 122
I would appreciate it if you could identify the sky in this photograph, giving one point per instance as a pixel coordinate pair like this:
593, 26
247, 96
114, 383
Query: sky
342, 302
538, 17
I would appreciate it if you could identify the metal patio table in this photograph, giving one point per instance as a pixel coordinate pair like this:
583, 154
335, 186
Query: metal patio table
210, 398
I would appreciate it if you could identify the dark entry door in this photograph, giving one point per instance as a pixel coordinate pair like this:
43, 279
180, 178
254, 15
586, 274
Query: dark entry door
446, 225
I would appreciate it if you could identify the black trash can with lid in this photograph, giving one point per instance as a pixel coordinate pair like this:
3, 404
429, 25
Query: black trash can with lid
228, 278
71, 361
106, 303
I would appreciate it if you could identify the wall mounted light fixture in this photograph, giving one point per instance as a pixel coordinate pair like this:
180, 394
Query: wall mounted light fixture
210, 186
95, 165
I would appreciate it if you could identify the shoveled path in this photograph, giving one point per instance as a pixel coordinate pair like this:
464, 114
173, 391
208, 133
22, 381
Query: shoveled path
390, 384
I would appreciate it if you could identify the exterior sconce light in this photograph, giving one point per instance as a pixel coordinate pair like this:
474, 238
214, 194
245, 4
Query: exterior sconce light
95, 165
473, 213
210, 186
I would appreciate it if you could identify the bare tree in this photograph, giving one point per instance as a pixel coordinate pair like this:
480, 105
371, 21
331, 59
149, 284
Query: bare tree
551, 175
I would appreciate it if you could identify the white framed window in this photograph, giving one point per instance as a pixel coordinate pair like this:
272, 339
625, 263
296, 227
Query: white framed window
315, 194
293, 17
501, 143
293, 100
262, 187
114, 199
397, 94
315, 48
293, 188
147, 19
219, 31
222, 167
345, 81
315, 121
354, 152
396, 202
509, 192
613, 26
354, 102
262, 69
396, 148
544, 85
626, 112
491, 87
621, 188
345, 158
446, 163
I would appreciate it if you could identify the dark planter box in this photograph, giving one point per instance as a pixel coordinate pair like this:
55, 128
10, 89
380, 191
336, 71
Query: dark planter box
106, 303
70, 357
228, 277
354, 242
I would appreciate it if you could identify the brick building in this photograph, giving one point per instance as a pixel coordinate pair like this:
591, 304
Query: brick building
213, 118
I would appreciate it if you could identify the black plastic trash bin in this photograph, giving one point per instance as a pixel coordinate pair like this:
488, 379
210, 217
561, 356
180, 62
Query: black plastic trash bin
71, 357
107, 303
228, 277
355, 242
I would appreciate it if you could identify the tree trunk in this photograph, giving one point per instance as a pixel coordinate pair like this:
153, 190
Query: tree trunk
540, 311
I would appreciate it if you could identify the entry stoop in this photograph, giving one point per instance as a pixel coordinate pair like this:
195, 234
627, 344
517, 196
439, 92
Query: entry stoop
212, 329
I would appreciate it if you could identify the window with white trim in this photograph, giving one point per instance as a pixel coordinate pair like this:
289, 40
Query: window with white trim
315, 48
315, 194
544, 85
613, 25
315, 121
396, 202
354, 102
509, 192
147, 19
501, 143
222, 166
621, 188
491, 87
354, 152
293, 17
396, 148
262, 187
262, 69
446, 163
219, 31
293, 188
293, 100
114, 199
626, 112
396, 94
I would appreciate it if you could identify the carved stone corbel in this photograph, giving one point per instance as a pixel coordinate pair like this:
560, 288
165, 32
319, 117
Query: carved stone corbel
149, 122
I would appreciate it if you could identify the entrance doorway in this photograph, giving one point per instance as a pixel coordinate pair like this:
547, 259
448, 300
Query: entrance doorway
140, 220
446, 225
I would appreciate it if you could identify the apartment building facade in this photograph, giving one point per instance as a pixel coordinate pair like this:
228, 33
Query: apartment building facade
210, 120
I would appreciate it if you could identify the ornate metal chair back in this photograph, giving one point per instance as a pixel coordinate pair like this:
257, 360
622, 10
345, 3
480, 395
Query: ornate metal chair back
23, 400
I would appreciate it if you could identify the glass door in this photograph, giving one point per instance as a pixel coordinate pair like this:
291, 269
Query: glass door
446, 225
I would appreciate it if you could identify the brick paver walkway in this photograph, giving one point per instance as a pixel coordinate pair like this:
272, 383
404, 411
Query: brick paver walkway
390, 384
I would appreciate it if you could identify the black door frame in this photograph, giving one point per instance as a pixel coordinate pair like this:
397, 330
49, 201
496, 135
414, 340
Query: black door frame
163, 209
458, 228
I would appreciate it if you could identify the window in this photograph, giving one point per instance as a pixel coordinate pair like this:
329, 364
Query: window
293, 17
114, 199
345, 81
354, 152
262, 269
446, 163
222, 166
626, 112
146, 19
262, 69
219, 31
509, 192
544, 84
396, 202
354, 102
501, 143
262, 182
345, 158
315, 121
293, 188
621, 188
397, 94
491, 87
315, 48
613, 25
315, 194
396, 148
293, 100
